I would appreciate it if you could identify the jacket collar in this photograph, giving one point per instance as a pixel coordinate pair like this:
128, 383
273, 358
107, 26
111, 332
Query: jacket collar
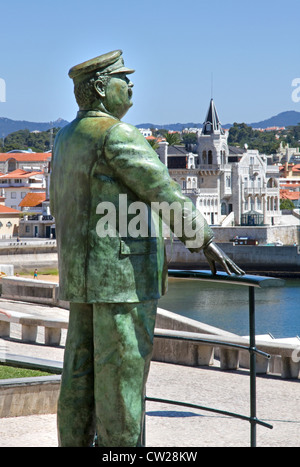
93, 113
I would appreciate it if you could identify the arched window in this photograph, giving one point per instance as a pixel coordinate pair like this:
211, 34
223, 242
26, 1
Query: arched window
272, 183
12, 165
210, 158
223, 209
204, 157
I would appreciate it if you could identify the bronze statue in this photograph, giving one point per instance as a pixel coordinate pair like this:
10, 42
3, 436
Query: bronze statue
112, 266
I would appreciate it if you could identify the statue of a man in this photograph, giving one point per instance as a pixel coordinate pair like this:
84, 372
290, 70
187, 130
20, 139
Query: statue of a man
112, 274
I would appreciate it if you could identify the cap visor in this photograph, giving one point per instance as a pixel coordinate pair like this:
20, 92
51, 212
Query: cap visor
123, 69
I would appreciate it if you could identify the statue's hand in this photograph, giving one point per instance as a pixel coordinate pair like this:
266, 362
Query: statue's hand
214, 255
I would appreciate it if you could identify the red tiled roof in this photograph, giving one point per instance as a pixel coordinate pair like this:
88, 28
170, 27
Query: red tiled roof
25, 157
19, 173
7, 210
292, 195
33, 199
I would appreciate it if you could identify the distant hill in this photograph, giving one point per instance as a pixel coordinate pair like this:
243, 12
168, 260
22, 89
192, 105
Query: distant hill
8, 126
288, 118
285, 119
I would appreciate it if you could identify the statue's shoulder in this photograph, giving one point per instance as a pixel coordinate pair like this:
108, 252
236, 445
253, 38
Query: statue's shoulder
125, 132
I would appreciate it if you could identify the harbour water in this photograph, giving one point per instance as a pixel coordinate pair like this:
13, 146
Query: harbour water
226, 306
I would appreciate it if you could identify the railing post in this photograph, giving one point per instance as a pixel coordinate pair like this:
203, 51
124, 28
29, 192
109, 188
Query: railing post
252, 365
251, 282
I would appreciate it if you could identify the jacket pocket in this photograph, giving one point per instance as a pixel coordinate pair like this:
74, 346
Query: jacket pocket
138, 246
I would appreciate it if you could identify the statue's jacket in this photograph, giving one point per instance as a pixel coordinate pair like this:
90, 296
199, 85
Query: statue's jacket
100, 167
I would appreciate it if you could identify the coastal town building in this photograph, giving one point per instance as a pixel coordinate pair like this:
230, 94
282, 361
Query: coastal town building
28, 161
18, 183
285, 154
146, 132
37, 220
229, 185
9, 219
290, 183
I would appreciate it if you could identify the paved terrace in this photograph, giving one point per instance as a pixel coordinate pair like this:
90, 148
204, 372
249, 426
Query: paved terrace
278, 403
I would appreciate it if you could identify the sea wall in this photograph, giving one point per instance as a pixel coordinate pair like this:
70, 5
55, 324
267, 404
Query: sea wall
25, 256
262, 259
287, 234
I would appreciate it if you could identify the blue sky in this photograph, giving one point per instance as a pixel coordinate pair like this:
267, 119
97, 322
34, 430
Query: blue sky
251, 48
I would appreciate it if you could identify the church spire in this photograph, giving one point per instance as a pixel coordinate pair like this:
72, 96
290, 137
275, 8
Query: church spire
212, 123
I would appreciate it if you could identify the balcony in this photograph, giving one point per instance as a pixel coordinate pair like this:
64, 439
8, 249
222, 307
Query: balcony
260, 191
200, 191
215, 168
37, 217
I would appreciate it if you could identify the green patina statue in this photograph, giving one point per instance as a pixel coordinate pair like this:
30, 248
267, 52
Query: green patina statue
112, 265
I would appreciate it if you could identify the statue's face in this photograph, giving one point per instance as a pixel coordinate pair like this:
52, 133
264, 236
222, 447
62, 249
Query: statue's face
118, 93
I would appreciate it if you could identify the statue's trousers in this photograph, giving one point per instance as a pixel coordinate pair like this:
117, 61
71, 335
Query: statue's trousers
106, 364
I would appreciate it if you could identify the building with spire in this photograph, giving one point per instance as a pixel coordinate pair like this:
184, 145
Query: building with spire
212, 139
231, 186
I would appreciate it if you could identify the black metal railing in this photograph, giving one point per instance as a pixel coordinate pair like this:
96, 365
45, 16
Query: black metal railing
251, 282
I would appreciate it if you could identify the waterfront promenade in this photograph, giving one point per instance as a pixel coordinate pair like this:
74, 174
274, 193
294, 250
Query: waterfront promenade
278, 403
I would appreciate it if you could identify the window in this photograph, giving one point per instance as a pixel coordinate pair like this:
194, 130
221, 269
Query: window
259, 204
23, 194
12, 165
13, 195
223, 209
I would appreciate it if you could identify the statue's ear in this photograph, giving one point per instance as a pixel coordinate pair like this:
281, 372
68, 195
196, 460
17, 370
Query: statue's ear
100, 88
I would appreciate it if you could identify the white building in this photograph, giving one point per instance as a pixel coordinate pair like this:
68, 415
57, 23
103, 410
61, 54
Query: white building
229, 185
18, 183
28, 161
146, 132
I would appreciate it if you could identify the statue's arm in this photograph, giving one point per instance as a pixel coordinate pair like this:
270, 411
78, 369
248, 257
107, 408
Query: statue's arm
134, 162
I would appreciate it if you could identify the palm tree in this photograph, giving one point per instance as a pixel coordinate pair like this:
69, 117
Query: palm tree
153, 143
171, 138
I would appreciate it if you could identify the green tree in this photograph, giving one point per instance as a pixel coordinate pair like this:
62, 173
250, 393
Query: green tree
292, 136
265, 141
153, 143
286, 204
171, 138
24, 139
